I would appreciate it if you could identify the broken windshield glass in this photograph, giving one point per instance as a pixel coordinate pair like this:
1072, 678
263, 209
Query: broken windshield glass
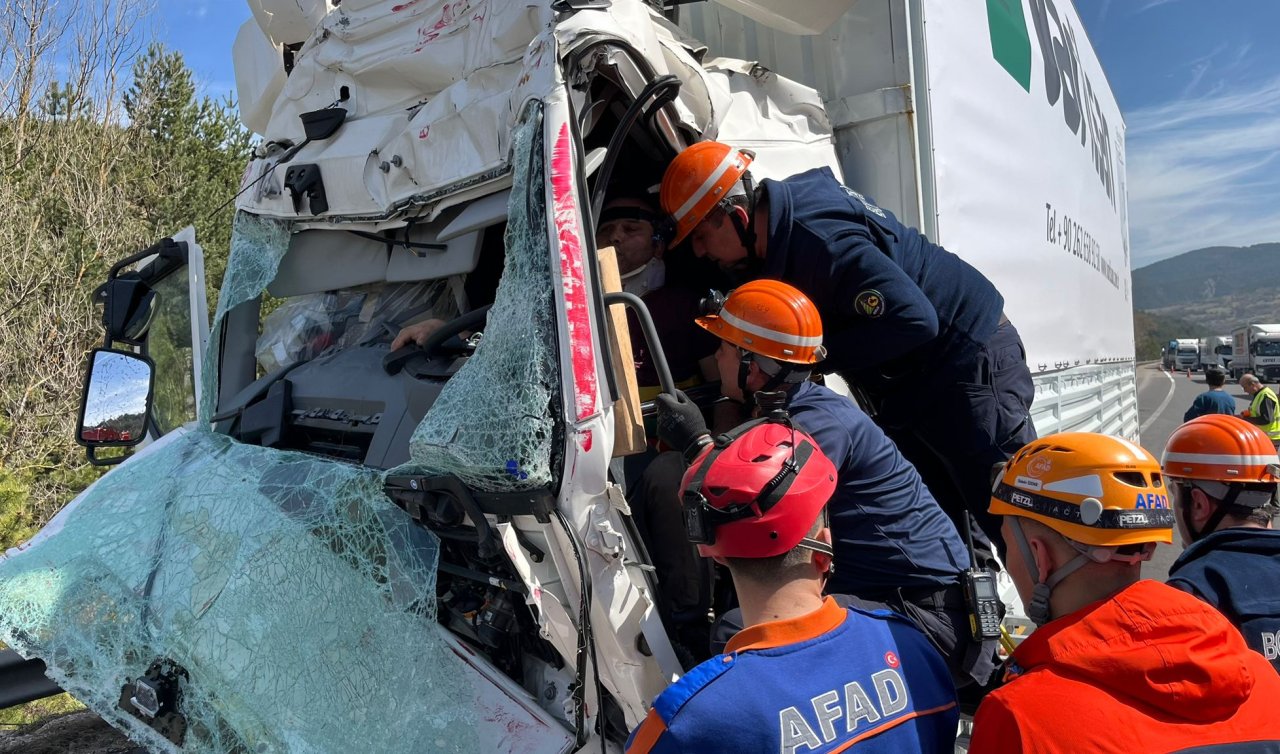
494, 422
298, 601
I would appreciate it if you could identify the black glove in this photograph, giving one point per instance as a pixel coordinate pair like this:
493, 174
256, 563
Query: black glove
680, 422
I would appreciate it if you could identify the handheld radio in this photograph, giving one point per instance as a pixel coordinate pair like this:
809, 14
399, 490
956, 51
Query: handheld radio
980, 597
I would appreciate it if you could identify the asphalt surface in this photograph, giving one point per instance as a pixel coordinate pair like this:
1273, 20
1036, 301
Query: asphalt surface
1163, 397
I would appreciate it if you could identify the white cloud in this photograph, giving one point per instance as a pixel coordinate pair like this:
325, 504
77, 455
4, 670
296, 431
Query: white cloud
1203, 171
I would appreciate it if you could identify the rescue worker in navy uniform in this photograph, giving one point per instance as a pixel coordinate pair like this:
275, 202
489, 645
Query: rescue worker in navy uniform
1223, 474
806, 675
894, 546
914, 327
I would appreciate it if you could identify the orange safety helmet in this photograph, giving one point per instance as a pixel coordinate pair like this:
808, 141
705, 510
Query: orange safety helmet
1094, 489
699, 178
769, 318
1221, 448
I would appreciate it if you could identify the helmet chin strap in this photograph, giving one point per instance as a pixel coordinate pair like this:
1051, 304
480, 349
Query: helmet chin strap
779, 374
746, 231
1219, 512
1038, 611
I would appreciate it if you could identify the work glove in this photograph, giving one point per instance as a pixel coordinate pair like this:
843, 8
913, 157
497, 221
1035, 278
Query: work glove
680, 423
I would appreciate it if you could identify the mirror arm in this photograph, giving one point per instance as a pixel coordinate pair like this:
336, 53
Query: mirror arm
94, 460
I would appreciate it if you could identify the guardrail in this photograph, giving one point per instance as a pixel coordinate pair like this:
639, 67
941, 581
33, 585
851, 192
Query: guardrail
1090, 398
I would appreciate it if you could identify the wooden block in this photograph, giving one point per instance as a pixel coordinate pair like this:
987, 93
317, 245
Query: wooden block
628, 422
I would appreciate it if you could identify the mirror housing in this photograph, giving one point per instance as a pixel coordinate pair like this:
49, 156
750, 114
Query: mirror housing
128, 305
115, 408
128, 301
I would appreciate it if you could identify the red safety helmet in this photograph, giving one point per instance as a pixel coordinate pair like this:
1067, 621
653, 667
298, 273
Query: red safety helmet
699, 178
769, 318
755, 492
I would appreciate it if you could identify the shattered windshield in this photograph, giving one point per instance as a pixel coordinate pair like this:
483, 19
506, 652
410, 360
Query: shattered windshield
237, 598
297, 599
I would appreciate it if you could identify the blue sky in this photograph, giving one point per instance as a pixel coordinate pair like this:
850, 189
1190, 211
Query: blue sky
1199, 86
1198, 83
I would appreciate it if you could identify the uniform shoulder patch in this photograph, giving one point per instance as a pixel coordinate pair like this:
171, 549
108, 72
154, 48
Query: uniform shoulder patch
869, 303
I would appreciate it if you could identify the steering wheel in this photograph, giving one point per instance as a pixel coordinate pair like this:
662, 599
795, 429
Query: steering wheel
446, 339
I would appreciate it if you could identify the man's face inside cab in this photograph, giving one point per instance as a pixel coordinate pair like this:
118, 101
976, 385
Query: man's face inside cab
633, 239
717, 239
728, 362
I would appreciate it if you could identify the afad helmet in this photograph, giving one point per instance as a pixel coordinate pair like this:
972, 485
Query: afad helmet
769, 318
1094, 489
1229, 459
699, 178
756, 492
1104, 494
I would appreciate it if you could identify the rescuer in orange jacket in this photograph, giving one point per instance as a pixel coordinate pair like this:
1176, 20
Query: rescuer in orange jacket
1118, 664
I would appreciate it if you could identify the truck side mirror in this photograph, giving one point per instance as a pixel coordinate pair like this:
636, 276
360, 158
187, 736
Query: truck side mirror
116, 404
128, 306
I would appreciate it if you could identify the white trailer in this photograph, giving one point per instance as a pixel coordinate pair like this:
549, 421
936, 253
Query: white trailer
974, 128
1256, 349
1215, 350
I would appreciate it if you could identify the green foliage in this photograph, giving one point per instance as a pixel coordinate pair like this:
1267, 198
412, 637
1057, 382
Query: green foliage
1153, 331
83, 187
41, 709
16, 523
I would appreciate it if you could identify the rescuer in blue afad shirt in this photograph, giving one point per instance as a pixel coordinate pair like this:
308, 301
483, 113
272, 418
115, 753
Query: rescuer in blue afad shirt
1223, 474
916, 329
806, 675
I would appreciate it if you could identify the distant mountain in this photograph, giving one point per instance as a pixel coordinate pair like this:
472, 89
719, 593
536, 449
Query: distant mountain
1216, 289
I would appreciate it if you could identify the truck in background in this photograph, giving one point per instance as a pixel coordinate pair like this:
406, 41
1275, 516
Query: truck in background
1187, 354
1169, 354
1256, 349
1215, 351
371, 187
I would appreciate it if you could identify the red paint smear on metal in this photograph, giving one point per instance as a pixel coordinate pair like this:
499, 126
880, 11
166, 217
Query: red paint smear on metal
569, 233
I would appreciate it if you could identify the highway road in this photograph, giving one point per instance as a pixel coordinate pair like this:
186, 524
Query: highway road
1163, 397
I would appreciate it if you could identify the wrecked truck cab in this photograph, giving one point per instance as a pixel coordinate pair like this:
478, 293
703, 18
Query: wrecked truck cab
352, 549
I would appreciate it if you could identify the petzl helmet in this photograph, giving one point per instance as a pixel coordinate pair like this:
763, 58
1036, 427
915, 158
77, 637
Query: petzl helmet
699, 178
1104, 494
1094, 489
756, 492
772, 319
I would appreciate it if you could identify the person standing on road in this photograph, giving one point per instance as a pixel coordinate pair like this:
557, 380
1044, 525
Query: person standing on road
1264, 409
913, 326
1118, 664
806, 674
1215, 400
1223, 475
